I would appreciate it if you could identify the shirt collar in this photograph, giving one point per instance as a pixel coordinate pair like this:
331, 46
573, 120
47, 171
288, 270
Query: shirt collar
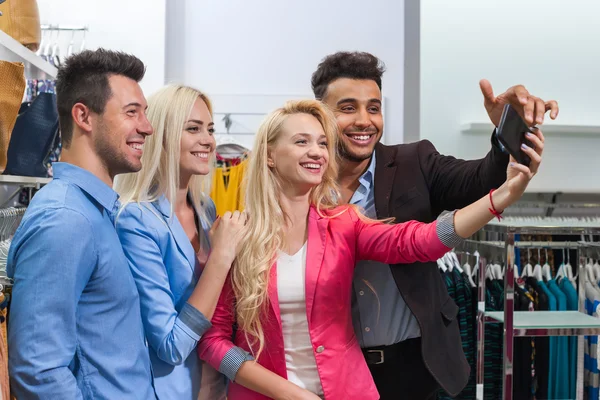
89, 183
366, 179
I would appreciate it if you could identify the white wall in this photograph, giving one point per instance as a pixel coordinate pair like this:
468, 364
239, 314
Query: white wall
551, 46
248, 49
133, 26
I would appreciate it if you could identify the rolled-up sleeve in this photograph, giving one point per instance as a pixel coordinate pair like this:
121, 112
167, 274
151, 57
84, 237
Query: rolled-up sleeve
51, 260
172, 334
216, 346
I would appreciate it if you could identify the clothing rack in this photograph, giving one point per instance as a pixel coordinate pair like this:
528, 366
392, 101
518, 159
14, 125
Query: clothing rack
228, 121
58, 27
524, 323
10, 218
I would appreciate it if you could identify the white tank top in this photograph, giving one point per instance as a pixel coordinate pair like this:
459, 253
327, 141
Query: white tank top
291, 288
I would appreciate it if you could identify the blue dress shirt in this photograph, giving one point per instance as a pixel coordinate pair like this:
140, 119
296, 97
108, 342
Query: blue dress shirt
75, 327
379, 313
164, 266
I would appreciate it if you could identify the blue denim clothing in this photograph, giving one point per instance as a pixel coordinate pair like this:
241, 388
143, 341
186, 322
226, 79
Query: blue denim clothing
75, 327
163, 264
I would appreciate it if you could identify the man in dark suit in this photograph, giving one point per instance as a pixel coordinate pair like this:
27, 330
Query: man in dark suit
403, 317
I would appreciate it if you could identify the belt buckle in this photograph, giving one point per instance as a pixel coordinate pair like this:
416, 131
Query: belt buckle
380, 354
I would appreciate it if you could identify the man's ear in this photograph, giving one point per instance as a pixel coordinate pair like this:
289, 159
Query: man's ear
81, 115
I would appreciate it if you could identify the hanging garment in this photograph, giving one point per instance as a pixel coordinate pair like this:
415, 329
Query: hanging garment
460, 291
560, 365
493, 361
572, 305
523, 351
542, 344
592, 351
227, 191
553, 342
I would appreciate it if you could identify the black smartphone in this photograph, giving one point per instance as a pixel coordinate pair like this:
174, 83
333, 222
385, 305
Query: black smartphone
511, 134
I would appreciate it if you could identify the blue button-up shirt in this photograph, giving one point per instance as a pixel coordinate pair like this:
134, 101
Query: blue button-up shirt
379, 313
75, 327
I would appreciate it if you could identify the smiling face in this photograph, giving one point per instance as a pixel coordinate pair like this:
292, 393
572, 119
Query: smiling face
197, 141
120, 131
300, 156
357, 107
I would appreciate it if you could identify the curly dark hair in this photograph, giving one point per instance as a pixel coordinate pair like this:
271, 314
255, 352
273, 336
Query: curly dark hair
343, 64
83, 78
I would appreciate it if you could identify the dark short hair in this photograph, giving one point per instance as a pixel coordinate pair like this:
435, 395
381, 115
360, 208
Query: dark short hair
83, 78
343, 64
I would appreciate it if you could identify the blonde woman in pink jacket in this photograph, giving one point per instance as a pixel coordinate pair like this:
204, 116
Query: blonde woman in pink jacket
289, 289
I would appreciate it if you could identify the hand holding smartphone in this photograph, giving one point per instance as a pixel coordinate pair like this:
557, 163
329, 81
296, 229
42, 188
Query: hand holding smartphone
511, 133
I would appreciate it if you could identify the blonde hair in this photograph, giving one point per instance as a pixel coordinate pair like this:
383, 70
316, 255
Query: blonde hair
265, 235
168, 111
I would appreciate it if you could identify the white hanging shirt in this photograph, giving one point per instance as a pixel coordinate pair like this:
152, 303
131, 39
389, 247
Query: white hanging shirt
299, 357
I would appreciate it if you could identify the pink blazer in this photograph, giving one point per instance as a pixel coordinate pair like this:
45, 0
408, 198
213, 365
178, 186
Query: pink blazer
334, 246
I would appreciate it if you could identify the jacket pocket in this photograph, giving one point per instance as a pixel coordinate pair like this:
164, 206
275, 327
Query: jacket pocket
449, 310
405, 198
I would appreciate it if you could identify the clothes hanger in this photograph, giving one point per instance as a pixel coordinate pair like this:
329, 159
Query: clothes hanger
537, 270
228, 140
498, 271
469, 273
454, 258
527, 269
596, 269
71, 44
82, 46
55, 57
441, 265
476, 267
546, 269
447, 262
48, 50
569, 269
40, 50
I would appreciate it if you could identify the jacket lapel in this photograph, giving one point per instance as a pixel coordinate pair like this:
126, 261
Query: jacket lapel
317, 237
274, 295
181, 239
385, 169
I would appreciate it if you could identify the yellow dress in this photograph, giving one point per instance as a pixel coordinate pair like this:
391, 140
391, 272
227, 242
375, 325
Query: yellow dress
226, 189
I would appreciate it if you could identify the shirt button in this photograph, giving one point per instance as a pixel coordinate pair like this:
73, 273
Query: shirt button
320, 349
362, 293
367, 329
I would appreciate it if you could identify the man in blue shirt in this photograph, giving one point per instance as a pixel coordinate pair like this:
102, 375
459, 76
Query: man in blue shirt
403, 317
75, 328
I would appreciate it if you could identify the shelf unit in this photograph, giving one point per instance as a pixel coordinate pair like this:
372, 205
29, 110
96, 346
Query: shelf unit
24, 181
524, 323
35, 66
549, 129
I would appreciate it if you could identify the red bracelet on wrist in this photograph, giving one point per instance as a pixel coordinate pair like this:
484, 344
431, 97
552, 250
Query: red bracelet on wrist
493, 210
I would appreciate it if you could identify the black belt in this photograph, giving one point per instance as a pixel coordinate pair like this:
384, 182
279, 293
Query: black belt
381, 354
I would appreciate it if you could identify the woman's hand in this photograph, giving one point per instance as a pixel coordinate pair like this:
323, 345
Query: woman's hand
226, 234
518, 175
300, 394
